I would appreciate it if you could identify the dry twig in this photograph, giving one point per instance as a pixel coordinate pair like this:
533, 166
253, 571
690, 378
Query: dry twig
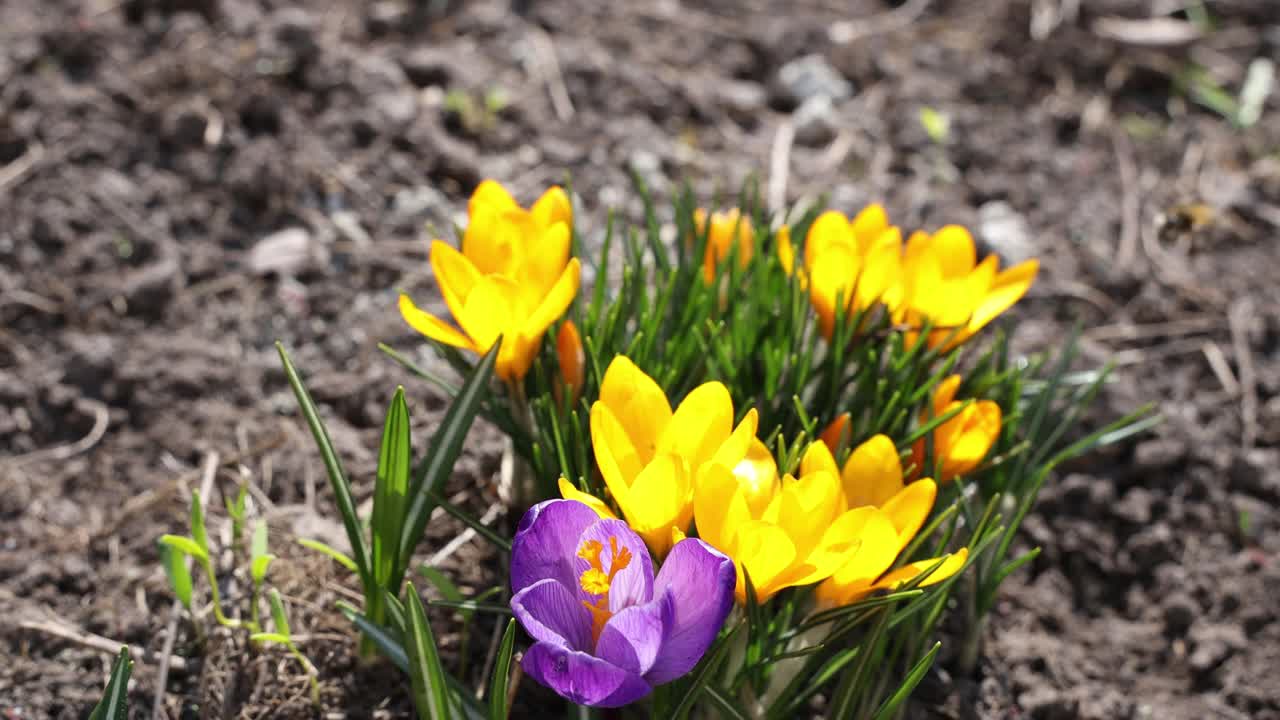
1239, 313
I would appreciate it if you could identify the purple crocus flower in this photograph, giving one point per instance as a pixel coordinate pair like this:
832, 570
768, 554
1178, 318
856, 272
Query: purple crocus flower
606, 630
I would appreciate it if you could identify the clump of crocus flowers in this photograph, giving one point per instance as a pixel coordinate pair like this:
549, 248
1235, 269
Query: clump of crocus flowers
690, 507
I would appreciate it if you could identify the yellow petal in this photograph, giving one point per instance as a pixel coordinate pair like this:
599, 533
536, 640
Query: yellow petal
569, 492
839, 544
786, 252
488, 310
875, 554
490, 195
757, 476
807, 508
873, 473
700, 425
818, 458
831, 281
431, 326
545, 262
638, 404
951, 564
1008, 287
553, 207
719, 509
661, 498
766, 552
616, 456
455, 274
556, 301
497, 240
869, 222
739, 443
909, 509
954, 249
830, 229
944, 393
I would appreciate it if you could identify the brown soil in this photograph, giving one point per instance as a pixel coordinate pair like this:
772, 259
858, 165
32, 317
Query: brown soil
150, 149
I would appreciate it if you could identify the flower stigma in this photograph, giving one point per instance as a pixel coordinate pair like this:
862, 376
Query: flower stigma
595, 581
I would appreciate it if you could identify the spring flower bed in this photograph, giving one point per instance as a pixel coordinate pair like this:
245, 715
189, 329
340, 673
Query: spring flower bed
747, 488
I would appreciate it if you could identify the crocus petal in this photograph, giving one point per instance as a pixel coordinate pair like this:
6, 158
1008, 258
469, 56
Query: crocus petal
1008, 288
786, 251
870, 221
766, 552
951, 565
944, 393
546, 543
455, 274
837, 545
818, 458
569, 492
487, 311
432, 326
555, 302
551, 612
737, 447
953, 247
546, 260
719, 506
909, 508
633, 584
582, 678
829, 229
701, 580
835, 433
633, 638
700, 424
660, 498
619, 461
877, 552
757, 476
637, 402
490, 195
873, 473
553, 207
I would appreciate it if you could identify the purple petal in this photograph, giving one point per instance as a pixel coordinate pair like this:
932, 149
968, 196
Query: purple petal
581, 678
546, 543
632, 638
550, 612
701, 579
633, 585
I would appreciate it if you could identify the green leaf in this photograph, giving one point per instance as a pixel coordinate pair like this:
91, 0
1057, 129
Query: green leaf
390, 492
442, 583
114, 704
185, 545
501, 672
198, 532
337, 555
722, 702
914, 677
278, 614
474, 523
175, 567
270, 637
258, 569
258, 542
704, 671
430, 693
381, 637
444, 450
332, 465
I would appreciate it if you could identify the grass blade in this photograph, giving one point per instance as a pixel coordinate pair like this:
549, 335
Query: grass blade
390, 490
337, 555
114, 704
917, 674
332, 465
445, 447
501, 673
430, 693
175, 566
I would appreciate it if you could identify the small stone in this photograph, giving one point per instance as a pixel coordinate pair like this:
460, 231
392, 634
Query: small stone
286, 252
1135, 506
1179, 610
815, 121
1047, 703
415, 202
386, 17
397, 108
807, 77
348, 225
1256, 472
1159, 453
1152, 546
1213, 643
185, 126
742, 100
1006, 231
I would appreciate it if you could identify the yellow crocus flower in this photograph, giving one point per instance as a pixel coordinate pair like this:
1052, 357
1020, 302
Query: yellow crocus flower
962, 442
513, 278
650, 456
784, 531
942, 282
890, 514
854, 263
726, 230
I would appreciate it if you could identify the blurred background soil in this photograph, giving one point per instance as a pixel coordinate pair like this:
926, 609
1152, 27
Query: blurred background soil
183, 182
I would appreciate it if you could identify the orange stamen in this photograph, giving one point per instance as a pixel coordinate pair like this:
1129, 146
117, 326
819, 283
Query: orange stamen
594, 580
